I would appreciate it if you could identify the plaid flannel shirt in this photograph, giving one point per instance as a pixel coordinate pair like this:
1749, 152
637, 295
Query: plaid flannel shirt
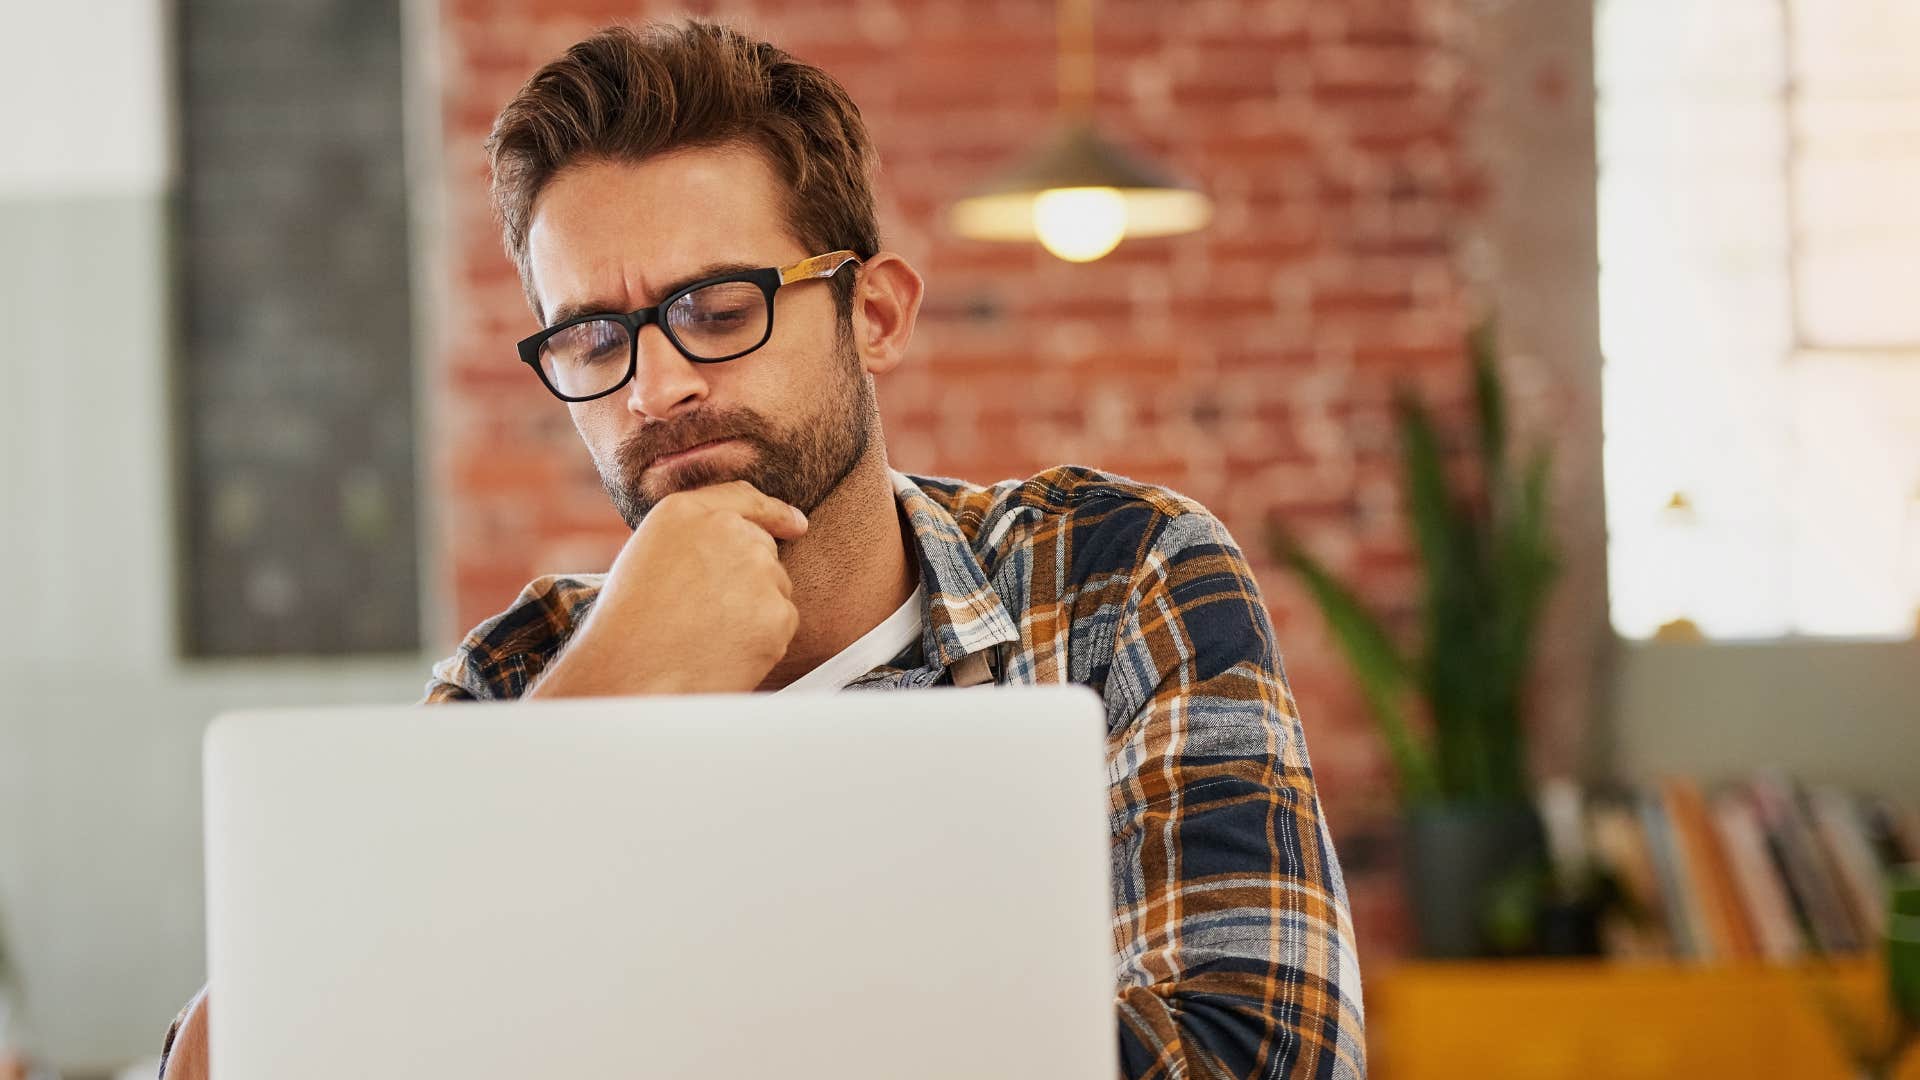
1233, 947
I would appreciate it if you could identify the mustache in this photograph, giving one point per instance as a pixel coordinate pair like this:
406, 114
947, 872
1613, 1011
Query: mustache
657, 440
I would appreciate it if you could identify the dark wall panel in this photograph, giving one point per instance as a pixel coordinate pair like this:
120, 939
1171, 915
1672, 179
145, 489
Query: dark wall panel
296, 360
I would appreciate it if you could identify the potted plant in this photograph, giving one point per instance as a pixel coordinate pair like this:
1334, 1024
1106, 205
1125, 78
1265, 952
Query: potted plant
1488, 561
1879, 1036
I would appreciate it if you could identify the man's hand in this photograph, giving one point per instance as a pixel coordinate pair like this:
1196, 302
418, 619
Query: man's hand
187, 1057
696, 602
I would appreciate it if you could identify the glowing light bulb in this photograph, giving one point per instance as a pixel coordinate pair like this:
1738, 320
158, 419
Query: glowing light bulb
1080, 224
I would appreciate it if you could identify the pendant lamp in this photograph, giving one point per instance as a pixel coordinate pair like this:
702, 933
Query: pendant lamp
1079, 194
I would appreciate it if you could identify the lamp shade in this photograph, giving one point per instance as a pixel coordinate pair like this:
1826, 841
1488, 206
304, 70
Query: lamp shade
1079, 195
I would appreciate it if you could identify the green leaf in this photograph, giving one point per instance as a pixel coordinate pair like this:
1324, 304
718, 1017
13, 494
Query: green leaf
1903, 944
1428, 503
1490, 408
1383, 674
1488, 566
1453, 665
1521, 573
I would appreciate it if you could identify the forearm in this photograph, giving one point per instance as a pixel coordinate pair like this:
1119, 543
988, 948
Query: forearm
589, 665
1238, 957
1232, 1024
1237, 954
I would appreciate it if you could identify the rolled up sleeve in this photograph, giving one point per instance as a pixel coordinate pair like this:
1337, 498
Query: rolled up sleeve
1235, 946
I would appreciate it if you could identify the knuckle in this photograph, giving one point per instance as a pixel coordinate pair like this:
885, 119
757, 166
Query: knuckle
746, 532
675, 506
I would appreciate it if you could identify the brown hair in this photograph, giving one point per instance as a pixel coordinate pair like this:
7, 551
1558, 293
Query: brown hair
624, 94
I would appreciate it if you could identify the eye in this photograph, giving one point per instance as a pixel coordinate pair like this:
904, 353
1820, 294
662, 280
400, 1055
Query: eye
597, 341
720, 317
727, 306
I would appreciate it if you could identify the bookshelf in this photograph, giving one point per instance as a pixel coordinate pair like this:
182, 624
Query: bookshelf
1751, 924
1762, 869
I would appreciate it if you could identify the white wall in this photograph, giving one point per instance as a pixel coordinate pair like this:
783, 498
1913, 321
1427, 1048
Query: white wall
89, 85
99, 730
1828, 712
100, 873
100, 876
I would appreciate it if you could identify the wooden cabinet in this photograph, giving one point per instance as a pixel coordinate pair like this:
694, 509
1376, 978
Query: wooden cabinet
1598, 1021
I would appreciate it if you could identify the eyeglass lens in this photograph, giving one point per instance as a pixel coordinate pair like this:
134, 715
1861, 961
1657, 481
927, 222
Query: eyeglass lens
711, 323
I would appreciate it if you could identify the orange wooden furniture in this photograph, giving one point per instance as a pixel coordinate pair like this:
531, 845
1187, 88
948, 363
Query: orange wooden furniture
1600, 1021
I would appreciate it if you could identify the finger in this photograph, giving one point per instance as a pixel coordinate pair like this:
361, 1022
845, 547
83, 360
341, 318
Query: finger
761, 539
188, 1057
781, 520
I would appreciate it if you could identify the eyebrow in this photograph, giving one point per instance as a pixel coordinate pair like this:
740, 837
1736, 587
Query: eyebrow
610, 307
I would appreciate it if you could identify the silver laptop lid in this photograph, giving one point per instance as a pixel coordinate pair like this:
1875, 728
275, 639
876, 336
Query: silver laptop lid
852, 886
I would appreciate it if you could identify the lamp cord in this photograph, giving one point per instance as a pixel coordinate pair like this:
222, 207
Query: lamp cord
1075, 20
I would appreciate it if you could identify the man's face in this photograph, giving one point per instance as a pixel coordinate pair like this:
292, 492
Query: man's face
792, 418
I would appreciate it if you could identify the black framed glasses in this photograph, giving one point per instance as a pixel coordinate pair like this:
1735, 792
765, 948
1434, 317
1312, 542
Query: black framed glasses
711, 321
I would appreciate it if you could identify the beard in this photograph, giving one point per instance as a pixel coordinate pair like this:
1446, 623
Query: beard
800, 466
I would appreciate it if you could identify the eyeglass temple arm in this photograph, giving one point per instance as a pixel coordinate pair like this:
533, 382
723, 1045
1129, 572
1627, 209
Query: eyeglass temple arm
820, 266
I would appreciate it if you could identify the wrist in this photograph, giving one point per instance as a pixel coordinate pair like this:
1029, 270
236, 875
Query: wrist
593, 663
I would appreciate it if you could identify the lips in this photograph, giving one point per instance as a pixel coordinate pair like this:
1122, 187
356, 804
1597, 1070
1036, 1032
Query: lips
667, 459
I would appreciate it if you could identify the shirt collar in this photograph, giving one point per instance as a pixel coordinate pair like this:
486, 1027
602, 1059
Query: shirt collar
963, 613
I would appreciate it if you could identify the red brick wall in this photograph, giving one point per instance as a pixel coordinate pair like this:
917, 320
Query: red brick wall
1249, 366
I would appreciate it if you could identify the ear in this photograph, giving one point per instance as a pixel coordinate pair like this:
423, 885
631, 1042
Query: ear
886, 303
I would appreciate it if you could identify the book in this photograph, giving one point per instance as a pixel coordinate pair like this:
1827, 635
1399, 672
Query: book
1682, 923
1777, 932
1709, 880
1887, 831
1901, 825
1803, 866
1637, 928
1856, 868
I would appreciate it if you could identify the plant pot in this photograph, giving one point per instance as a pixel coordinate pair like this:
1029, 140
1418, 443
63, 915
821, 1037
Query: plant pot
1459, 855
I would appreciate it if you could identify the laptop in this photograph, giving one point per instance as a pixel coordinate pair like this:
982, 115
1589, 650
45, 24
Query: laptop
852, 886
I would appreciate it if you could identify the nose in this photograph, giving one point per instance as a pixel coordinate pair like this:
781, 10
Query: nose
664, 382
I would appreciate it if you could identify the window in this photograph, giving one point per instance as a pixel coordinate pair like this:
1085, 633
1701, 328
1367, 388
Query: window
1760, 314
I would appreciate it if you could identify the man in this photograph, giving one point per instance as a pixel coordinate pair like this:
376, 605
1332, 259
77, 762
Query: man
665, 194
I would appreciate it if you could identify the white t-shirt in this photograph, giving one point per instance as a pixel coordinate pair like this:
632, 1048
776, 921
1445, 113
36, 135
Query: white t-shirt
875, 647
